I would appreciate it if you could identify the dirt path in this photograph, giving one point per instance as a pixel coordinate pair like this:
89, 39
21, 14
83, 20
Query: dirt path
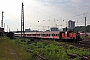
13, 53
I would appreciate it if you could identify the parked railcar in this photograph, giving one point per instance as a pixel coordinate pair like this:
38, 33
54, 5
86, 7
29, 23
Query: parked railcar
10, 35
52, 35
83, 34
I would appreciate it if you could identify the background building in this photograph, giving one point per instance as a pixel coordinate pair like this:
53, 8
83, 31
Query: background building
54, 29
71, 24
27, 30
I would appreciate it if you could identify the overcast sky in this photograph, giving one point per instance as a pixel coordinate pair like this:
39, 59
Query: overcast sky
47, 12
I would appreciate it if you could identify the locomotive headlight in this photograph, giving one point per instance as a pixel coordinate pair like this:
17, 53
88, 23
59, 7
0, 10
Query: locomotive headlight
66, 32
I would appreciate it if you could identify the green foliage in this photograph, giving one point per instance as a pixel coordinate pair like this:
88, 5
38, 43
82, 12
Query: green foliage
82, 28
79, 51
88, 37
52, 50
76, 59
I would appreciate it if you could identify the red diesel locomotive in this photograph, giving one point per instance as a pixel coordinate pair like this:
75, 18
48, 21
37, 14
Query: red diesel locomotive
68, 35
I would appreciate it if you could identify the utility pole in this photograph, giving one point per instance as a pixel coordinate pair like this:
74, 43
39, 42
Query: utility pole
4, 26
7, 28
22, 21
2, 20
85, 24
48, 27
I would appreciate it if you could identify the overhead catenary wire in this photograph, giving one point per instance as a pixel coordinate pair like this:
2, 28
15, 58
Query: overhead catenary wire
55, 18
51, 17
74, 17
10, 16
13, 16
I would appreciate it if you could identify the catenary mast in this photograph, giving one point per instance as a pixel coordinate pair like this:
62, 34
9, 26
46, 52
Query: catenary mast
22, 21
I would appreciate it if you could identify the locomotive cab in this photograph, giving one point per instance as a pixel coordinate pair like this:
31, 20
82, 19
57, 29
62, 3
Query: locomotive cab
70, 36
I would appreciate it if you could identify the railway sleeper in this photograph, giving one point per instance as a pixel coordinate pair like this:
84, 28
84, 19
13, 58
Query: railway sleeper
29, 50
75, 55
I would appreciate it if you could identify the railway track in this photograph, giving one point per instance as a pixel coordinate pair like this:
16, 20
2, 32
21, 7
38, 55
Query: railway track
31, 51
41, 57
82, 44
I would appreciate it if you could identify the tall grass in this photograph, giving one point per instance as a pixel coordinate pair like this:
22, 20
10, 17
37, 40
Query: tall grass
9, 50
